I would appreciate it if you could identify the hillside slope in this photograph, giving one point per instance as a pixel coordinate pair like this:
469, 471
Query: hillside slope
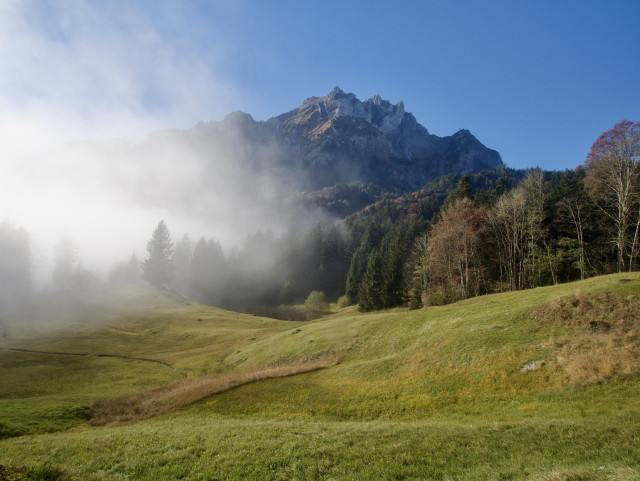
549, 376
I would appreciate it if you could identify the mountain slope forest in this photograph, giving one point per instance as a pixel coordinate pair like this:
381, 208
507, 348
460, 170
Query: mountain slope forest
459, 236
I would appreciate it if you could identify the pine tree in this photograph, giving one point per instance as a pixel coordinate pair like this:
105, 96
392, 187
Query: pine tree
157, 269
207, 271
181, 260
463, 190
66, 260
370, 240
371, 285
392, 262
126, 273
133, 270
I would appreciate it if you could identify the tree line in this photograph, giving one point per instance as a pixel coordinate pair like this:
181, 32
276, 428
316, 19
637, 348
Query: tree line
460, 236
552, 227
494, 231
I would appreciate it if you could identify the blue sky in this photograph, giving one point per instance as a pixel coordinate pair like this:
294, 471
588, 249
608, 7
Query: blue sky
536, 80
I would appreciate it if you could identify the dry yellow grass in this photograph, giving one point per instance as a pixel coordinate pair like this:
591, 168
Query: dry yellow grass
605, 344
181, 393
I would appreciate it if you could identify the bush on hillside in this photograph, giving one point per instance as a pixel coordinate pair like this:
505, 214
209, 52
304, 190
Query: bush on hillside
316, 304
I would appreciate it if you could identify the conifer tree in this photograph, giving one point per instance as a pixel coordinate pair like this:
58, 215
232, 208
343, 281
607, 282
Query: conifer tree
66, 260
371, 285
181, 260
370, 240
157, 269
207, 271
391, 272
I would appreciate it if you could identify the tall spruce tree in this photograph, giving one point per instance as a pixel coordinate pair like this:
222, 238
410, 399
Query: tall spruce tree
181, 260
392, 264
65, 264
370, 240
207, 271
371, 285
157, 269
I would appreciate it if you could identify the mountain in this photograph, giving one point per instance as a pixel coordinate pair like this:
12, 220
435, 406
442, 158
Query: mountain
340, 139
334, 151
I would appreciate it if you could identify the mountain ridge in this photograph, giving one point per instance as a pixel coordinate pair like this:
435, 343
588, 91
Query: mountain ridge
337, 138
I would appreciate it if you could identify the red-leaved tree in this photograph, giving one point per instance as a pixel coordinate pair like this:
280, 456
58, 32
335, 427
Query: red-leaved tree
613, 175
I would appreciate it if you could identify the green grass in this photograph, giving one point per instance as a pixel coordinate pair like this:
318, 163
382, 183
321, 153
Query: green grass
209, 448
436, 393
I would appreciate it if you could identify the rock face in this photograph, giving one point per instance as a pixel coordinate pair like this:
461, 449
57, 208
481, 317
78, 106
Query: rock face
339, 139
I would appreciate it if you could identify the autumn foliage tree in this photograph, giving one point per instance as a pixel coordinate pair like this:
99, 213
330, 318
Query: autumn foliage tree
455, 268
613, 174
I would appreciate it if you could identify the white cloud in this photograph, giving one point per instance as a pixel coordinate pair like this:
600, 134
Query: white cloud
85, 69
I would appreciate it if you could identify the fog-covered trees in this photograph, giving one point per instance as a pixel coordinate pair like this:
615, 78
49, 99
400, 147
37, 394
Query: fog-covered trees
15, 262
460, 236
206, 275
126, 272
65, 264
181, 260
157, 268
316, 304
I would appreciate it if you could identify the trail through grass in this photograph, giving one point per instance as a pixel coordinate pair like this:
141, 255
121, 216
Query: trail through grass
182, 393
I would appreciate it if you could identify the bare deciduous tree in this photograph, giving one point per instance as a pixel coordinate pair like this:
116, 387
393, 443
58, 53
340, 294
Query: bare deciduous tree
613, 174
508, 225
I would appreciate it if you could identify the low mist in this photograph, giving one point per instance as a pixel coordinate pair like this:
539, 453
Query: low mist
105, 129
84, 94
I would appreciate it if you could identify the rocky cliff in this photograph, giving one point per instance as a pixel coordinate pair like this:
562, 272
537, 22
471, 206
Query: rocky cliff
326, 141
338, 138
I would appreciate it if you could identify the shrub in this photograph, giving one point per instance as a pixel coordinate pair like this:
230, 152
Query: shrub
343, 302
316, 304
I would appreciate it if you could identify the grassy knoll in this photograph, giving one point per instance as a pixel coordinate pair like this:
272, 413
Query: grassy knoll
541, 384
116, 343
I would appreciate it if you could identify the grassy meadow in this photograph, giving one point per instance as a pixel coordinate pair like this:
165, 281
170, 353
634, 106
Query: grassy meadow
142, 384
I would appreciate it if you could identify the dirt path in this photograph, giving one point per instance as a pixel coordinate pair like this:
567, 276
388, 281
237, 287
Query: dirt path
179, 394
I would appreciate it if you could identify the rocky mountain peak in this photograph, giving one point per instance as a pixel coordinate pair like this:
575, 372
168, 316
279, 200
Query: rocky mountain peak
337, 138
318, 114
341, 137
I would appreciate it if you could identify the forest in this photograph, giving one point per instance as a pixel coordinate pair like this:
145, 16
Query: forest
459, 236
